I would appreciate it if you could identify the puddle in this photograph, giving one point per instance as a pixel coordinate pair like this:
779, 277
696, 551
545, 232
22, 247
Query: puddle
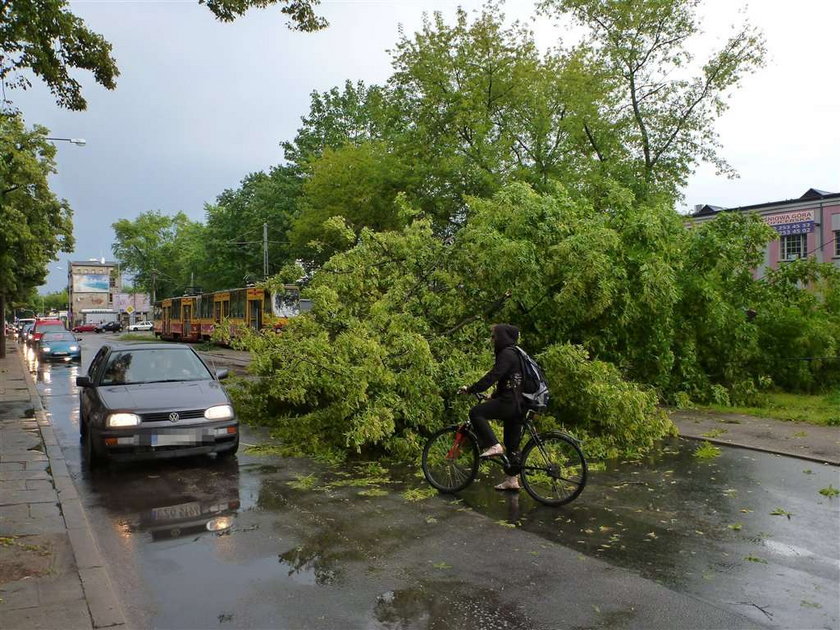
718, 529
446, 606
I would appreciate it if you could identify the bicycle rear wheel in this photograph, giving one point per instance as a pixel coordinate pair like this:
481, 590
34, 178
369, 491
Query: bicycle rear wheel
450, 459
553, 469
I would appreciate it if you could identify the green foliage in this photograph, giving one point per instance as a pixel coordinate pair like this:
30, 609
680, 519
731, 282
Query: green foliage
612, 416
232, 252
658, 109
47, 40
706, 451
36, 224
397, 325
301, 13
161, 251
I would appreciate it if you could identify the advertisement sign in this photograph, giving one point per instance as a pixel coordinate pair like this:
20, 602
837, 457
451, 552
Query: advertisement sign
131, 302
91, 283
787, 223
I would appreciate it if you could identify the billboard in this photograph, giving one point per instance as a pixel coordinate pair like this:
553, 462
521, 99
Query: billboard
91, 283
137, 302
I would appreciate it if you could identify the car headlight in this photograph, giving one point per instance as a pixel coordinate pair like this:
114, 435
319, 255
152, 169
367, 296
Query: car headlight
219, 412
74, 348
45, 348
116, 420
220, 523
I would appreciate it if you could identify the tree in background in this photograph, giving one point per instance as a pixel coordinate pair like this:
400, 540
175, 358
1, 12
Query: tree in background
36, 224
158, 250
656, 120
233, 234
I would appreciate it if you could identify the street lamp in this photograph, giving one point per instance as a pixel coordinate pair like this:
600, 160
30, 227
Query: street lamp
79, 142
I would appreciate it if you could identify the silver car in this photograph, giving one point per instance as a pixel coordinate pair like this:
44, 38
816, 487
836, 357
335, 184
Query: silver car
153, 401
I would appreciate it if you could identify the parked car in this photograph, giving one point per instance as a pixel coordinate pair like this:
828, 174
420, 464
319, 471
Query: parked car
153, 401
59, 345
109, 327
89, 327
26, 333
144, 325
42, 326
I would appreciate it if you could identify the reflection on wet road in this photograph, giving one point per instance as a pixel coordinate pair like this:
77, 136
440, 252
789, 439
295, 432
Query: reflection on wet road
747, 529
280, 542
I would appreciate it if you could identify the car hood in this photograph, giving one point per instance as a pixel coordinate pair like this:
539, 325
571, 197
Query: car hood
150, 397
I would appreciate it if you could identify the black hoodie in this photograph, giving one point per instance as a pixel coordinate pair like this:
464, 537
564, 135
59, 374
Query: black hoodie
507, 371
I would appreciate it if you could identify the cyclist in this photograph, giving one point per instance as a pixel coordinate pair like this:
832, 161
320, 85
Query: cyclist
505, 404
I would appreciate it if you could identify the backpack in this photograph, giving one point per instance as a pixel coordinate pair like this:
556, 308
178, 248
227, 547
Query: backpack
534, 388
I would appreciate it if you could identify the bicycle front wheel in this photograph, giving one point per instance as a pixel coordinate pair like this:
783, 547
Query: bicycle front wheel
553, 469
450, 459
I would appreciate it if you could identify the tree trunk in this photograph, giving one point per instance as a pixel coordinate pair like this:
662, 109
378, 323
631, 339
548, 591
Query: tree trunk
3, 320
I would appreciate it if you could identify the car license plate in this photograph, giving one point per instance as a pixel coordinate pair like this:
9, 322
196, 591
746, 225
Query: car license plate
184, 437
59, 354
176, 512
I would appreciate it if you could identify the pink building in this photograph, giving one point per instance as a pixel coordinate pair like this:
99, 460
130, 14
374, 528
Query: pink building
808, 226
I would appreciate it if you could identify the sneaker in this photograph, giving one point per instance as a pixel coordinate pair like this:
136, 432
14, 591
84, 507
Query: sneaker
496, 449
510, 483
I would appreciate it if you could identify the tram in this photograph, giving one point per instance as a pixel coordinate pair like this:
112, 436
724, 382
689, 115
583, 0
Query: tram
194, 317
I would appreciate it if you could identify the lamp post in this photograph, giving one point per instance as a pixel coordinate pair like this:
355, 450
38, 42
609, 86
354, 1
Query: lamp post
79, 142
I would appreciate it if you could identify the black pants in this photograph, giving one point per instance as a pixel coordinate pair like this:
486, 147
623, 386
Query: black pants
512, 420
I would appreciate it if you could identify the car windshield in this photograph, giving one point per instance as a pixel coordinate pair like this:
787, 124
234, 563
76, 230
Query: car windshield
154, 366
50, 327
58, 336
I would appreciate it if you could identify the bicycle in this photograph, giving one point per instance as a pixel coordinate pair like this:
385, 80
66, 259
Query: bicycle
553, 468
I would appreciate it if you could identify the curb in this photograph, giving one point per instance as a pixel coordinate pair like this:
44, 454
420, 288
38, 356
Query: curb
753, 447
103, 605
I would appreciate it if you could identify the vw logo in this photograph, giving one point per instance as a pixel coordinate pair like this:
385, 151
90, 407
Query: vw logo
174, 417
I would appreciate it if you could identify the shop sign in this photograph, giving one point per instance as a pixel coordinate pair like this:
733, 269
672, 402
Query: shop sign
787, 223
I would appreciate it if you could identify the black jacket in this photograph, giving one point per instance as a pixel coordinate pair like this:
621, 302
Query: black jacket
507, 370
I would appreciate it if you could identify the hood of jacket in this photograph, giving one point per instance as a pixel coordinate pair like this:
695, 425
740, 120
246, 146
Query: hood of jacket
504, 335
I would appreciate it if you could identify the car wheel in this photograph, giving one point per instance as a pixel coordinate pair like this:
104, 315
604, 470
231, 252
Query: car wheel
230, 452
92, 458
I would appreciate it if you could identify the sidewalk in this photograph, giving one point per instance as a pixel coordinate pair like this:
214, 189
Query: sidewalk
799, 439
51, 571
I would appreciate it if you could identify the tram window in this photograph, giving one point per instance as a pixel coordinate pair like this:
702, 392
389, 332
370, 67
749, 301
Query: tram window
286, 304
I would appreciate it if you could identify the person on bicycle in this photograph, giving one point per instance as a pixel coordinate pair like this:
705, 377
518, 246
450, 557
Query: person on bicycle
505, 404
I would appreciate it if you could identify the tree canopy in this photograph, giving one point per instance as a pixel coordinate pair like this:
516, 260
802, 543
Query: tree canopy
46, 39
36, 224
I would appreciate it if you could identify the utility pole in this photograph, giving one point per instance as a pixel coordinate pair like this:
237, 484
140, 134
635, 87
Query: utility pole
265, 251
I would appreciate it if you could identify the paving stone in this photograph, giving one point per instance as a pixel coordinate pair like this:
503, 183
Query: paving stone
19, 594
64, 616
28, 496
24, 456
12, 484
44, 510
7, 467
39, 484
13, 475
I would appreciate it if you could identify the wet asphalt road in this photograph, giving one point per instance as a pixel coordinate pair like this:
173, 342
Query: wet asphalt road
298, 544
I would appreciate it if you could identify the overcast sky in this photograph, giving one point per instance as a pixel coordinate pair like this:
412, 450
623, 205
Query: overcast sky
200, 104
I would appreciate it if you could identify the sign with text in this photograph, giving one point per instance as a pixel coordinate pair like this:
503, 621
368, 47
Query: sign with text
795, 222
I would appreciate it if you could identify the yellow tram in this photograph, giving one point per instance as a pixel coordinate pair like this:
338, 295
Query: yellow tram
195, 317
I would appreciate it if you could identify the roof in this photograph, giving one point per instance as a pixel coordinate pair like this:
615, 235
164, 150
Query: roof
812, 194
94, 263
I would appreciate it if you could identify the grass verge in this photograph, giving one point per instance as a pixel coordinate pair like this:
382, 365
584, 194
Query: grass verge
822, 410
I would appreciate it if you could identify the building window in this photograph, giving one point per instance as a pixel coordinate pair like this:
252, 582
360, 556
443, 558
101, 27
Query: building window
794, 246
837, 243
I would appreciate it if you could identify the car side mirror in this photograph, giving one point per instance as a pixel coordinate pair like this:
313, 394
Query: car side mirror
83, 381
223, 373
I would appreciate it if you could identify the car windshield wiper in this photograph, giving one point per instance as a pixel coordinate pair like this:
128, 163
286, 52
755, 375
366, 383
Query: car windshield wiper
165, 380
